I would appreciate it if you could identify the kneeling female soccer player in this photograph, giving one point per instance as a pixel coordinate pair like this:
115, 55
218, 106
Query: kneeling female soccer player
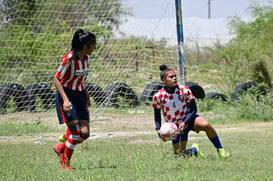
178, 105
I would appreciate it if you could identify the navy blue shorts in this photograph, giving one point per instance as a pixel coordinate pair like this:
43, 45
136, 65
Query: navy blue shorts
184, 136
79, 108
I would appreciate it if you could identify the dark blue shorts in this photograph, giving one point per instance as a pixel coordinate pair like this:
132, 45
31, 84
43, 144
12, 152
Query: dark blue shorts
184, 136
79, 108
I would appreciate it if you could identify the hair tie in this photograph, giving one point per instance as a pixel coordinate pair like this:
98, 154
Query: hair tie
166, 73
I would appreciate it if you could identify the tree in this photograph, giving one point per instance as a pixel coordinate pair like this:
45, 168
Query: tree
74, 13
35, 32
250, 52
11, 10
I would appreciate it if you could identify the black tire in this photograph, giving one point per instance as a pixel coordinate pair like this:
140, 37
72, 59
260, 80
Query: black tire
149, 91
113, 92
216, 96
16, 91
44, 92
196, 89
251, 87
96, 92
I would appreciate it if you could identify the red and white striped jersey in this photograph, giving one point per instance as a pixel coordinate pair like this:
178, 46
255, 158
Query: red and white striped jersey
73, 71
174, 105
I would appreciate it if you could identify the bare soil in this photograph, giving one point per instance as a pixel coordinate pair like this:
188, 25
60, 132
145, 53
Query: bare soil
129, 127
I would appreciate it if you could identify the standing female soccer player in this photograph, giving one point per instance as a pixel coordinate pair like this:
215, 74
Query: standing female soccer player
178, 106
72, 99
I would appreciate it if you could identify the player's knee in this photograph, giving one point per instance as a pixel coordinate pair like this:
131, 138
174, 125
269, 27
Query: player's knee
74, 137
202, 124
207, 126
85, 135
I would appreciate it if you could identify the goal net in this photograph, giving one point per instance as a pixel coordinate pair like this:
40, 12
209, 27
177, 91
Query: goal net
124, 69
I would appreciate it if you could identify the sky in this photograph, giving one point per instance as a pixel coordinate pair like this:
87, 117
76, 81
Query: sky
192, 8
156, 19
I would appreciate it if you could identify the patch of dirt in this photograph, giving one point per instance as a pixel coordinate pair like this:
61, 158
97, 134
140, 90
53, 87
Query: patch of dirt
39, 139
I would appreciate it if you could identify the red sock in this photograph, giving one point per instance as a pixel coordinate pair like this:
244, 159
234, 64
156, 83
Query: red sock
67, 134
67, 155
70, 146
61, 146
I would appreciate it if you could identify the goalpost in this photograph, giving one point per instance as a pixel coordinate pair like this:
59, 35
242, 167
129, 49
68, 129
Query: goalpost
124, 69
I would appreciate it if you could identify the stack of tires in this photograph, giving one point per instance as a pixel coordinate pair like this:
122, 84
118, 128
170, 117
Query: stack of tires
149, 91
115, 95
15, 91
42, 91
112, 94
250, 88
25, 98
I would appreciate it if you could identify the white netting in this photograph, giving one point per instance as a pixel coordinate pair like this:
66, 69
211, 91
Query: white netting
35, 35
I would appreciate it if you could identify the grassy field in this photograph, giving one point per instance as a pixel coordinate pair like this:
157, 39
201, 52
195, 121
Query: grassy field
124, 146
116, 150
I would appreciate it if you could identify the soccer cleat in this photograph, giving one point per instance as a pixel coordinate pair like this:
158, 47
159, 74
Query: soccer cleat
62, 139
66, 167
59, 152
199, 153
222, 153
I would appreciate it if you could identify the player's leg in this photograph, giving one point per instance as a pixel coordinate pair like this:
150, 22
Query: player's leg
59, 150
71, 143
85, 130
83, 114
62, 117
180, 147
201, 124
180, 143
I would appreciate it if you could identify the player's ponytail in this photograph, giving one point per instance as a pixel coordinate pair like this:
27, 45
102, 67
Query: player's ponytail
82, 38
164, 69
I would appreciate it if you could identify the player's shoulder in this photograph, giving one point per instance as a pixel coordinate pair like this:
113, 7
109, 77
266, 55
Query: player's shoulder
69, 56
158, 94
183, 87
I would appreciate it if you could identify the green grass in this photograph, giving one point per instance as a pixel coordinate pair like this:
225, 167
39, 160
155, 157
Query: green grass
127, 158
11, 129
245, 128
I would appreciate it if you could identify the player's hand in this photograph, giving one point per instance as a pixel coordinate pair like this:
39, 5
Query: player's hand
158, 133
181, 128
67, 106
88, 102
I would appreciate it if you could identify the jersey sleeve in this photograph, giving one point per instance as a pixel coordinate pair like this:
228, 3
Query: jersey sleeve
156, 101
187, 93
64, 66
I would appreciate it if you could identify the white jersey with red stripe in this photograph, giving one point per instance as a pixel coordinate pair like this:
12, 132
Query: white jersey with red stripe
174, 105
73, 71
